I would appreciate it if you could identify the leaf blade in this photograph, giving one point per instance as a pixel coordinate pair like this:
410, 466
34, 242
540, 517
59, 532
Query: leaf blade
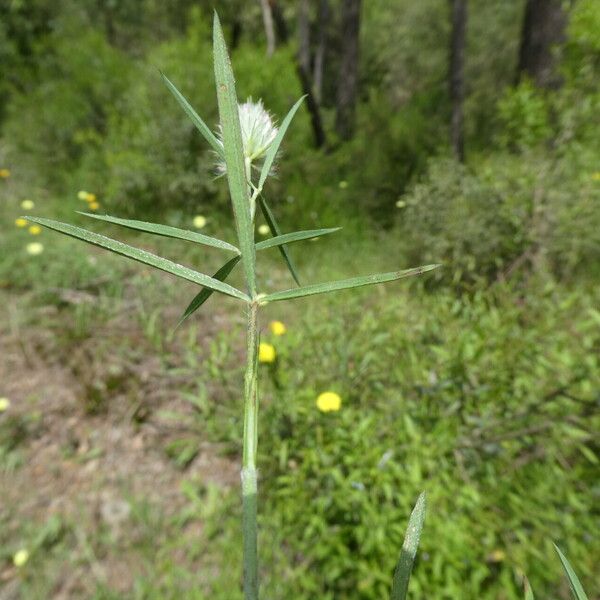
276, 231
142, 256
576, 587
234, 153
202, 127
344, 284
274, 147
294, 236
205, 293
409, 550
165, 230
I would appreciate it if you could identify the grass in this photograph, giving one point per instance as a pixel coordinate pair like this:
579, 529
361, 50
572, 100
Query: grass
486, 401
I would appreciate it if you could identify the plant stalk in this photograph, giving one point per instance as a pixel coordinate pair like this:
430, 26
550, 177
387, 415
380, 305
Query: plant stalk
249, 473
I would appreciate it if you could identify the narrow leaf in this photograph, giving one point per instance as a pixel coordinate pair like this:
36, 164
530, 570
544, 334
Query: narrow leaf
208, 135
409, 550
234, 153
295, 236
206, 292
165, 230
274, 147
528, 591
332, 286
141, 256
276, 231
576, 586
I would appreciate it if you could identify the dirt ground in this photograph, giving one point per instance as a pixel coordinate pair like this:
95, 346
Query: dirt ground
94, 438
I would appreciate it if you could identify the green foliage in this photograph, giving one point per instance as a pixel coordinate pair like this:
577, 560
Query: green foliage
481, 403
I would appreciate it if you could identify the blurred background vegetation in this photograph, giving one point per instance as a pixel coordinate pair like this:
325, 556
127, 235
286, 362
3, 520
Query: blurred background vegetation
457, 131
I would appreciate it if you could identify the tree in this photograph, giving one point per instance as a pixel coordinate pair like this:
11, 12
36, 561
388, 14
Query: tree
544, 27
458, 12
347, 88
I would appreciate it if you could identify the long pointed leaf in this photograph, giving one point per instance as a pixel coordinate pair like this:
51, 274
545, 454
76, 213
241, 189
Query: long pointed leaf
206, 293
274, 147
576, 586
141, 256
234, 153
276, 231
295, 236
208, 135
165, 230
332, 286
409, 550
528, 591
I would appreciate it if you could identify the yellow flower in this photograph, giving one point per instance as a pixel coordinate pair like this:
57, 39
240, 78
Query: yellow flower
93, 205
35, 230
90, 197
266, 353
497, 556
4, 173
329, 402
21, 222
4, 404
343, 185
82, 195
199, 221
20, 557
277, 327
264, 229
27, 204
596, 176
400, 204
34, 248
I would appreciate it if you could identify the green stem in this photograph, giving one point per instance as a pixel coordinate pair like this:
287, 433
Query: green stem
249, 473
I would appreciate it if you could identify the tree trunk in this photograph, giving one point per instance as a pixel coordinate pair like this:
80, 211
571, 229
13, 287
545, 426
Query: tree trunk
304, 35
280, 24
544, 28
456, 76
348, 77
321, 48
269, 29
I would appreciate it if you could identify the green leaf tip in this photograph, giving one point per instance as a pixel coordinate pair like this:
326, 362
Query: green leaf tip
202, 127
409, 550
576, 587
234, 154
344, 284
141, 256
164, 230
274, 147
206, 292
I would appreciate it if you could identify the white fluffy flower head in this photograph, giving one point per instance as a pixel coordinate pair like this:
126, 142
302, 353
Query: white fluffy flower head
258, 131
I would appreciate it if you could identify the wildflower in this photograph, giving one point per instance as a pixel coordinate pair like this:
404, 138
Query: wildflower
35, 230
20, 557
4, 404
596, 176
277, 327
4, 173
21, 222
497, 556
90, 197
27, 204
264, 229
34, 248
329, 402
343, 185
400, 204
82, 195
199, 221
258, 131
266, 353
93, 205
